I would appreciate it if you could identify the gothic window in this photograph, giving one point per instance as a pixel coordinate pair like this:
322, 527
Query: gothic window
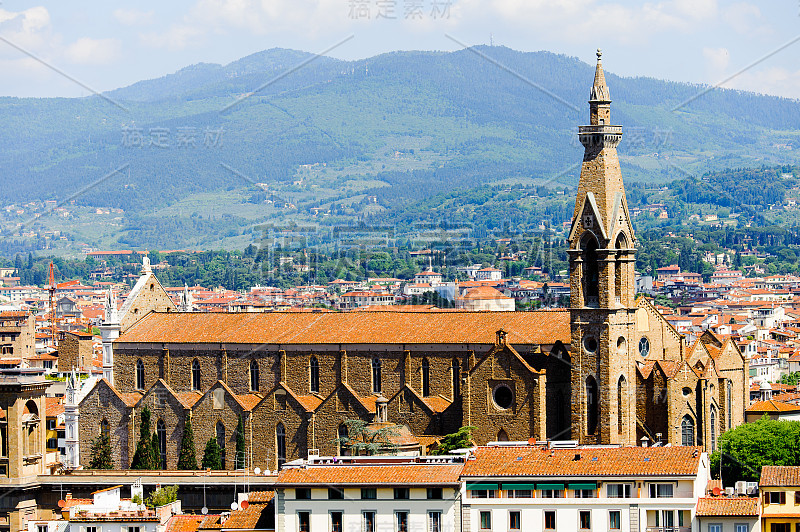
456, 379
713, 421
376, 375
221, 442
426, 377
195, 374
104, 428
619, 268
591, 272
622, 393
254, 378
644, 347
592, 405
280, 444
729, 402
502, 435
139, 374
343, 436
314, 375
687, 430
161, 430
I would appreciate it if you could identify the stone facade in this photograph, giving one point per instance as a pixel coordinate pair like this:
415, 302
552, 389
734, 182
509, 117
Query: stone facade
75, 351
610, 370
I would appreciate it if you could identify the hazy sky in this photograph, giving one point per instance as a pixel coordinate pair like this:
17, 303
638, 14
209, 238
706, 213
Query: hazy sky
105, 45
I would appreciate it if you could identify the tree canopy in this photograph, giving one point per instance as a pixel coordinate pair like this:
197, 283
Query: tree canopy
744, 450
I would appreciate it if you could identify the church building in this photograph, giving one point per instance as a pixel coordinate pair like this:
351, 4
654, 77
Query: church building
608, 370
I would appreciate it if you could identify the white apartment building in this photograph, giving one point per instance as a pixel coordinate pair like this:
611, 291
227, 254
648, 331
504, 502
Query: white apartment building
537, 488
369, 494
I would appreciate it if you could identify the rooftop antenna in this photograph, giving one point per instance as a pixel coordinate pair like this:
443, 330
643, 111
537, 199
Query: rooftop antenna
491, 39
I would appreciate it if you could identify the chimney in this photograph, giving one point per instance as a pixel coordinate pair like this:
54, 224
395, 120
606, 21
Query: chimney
645, 441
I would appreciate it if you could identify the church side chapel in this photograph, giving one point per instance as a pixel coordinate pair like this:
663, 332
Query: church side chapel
608, 370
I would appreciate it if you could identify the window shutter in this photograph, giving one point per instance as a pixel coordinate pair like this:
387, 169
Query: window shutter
797, 497
783, 497
766, 498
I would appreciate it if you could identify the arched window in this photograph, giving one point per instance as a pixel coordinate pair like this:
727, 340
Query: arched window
254, 377
730, 404
591, 272
502, 435
161, 430
104, 429
221, 442
622, 394
280, 444
139, 374
376, 375
687, 430
592, 405
456, 379
426, 377
195, 374
343, 436
713, 419
619, 268
30, 428
314, 375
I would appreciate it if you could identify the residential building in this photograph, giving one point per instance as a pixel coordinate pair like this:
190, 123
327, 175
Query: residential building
728, 514
780, 498
370, 494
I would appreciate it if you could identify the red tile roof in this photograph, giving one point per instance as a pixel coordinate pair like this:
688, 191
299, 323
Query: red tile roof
401, 474
727, 507
772, 406
184, 523
779, 476
249, 518
542, 327
532, 461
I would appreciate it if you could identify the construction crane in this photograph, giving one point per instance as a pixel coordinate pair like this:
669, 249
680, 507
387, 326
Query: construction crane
51, 289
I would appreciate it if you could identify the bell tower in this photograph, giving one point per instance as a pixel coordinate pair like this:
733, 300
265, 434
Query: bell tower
601, 265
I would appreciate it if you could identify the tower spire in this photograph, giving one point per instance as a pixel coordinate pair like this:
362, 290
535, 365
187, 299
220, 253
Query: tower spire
600, 92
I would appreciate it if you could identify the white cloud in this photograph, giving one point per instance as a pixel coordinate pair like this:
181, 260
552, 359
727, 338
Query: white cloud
87, 51
777, 81
746, 19
28, 29
177, 37
717, 60
134, 17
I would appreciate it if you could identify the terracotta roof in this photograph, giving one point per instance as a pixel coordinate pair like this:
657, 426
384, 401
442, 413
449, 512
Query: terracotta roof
184, 523
541, 327
404, 474
436, 403
54, 407
188, 399
484, 292
779, 476
254, 517
260, 496
249, 400
727, 507
772, 406
532, 461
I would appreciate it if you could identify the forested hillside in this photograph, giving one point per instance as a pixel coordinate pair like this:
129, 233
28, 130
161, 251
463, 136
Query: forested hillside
272, 141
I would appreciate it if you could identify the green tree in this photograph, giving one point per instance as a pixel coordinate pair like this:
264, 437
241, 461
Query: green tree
212, 455
744, 450
362, 439
187, 460
460, 439
143, 457
792, 379
162, 496
101, 453
240, 450
155, 448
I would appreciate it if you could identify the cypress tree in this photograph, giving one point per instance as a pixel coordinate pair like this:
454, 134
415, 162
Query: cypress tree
186, 458
155, 448
143, 456
101, 453
240, 452
212, 458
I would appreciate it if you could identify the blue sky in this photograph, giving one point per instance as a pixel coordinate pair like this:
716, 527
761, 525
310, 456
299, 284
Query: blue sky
105, 45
